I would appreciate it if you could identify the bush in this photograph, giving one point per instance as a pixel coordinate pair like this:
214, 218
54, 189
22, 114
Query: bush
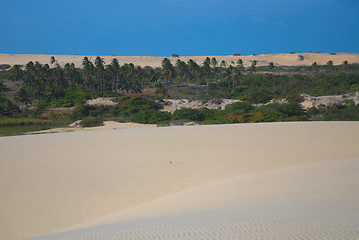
240, 106
150, 117
4, 66
258, 96
91, 122
68, 97
189, 114
8, 108
282, 112
338, 112
82, 110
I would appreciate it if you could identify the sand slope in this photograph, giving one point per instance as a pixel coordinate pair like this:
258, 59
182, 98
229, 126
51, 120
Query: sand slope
50, 182
311, 201
286, 59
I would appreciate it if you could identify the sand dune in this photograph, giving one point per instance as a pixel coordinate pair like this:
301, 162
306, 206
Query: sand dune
311, 201
286, 59
269, 173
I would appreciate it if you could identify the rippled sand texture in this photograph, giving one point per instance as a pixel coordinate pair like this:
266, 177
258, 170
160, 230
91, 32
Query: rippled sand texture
312, 201
229, 181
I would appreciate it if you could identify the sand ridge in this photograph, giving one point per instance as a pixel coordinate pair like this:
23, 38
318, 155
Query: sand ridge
283, 59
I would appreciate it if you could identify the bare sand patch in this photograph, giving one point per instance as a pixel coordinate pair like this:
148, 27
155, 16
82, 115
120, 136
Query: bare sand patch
51, 182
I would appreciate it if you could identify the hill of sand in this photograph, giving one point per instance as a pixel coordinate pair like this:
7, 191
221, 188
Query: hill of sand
283, 59
275, 180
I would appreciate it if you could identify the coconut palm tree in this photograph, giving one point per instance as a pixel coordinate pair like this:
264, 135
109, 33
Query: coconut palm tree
254, 71
240, 64
314, 68
15, 73
345, 64
214, 62
330, 67
206, 71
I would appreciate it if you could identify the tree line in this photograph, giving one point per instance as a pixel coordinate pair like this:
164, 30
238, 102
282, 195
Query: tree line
210, 79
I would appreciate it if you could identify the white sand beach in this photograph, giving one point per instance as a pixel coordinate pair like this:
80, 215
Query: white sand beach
242, 181
282, 59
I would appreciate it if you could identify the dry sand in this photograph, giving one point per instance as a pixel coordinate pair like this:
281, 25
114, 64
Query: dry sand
249, 181
75, 127
284, 59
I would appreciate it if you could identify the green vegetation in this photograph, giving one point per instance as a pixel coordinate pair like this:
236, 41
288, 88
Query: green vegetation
45, 90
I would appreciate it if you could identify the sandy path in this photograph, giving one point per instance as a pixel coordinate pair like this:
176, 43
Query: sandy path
50, 182
286, 59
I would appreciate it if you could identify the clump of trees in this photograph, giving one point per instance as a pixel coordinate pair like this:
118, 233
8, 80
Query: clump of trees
46, 86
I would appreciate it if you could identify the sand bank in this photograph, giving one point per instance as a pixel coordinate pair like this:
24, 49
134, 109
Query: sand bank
52, 182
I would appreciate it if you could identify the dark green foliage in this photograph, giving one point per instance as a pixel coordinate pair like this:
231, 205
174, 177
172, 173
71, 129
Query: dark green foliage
150, 117
4, 66
240, 106
8, 108
261, 95
141, 110
65, 98
91, 122
339, 112
189, 114
282, 112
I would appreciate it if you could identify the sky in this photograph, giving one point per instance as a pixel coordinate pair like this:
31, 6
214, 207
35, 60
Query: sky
184, 27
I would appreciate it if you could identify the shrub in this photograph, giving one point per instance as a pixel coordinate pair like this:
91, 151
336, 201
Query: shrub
150, 117
68, 97
8, 108
91, 122
258, 96
244, 117
243, 106
188, 114
282, 112
4, 66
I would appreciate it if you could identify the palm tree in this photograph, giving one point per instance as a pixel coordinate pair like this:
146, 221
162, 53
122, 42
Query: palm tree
99, 63
254, 71
168, 72
115, 67
223, 63
214, 62
314, 68
88, 73
15, 73
206, 70
53, 61
239, 63
345, 64
193, 68
330, 67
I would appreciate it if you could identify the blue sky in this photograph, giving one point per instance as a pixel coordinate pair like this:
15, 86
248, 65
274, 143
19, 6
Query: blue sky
185, 27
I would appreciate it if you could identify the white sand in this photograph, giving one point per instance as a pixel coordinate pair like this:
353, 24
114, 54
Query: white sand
75, 127
286, 59
282, 180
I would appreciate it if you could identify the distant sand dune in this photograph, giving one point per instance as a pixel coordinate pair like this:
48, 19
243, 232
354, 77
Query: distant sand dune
290, 179
284, 59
